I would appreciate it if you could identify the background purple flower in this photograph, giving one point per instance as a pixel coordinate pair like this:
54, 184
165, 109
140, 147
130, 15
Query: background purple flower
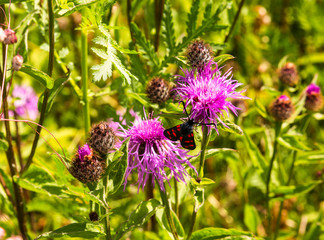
151, 153
209, 93
83, 151
25, 101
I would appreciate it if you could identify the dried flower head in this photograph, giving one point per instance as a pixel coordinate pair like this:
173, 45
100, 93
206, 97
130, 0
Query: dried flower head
17, 62
25, 101
282, 108
158, 90
11, 37
314, 98
86, 166
209, 93
102, 138
151, 153
199, 54
289, 75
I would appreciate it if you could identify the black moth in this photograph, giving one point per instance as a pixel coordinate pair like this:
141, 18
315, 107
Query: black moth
184, 132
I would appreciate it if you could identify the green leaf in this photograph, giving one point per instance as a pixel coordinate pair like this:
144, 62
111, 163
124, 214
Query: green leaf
314, 157
251, 217
202, 182
199, 198
168, 28
82, 230
148, 49
163, 221
77, 6
3, 145
223, 58
211, 153
230, 127
140, 97
40, 76
261, 109
116, 170
256, 157
7, 181
13, 1
315, 231
141, 214
58, 85
220, 233
292, 142
284, 192
192, 17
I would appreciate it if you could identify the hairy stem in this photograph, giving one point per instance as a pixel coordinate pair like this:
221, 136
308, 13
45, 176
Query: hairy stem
277, 129
84, 78
204, 144
168, 213
46, 92
233, 24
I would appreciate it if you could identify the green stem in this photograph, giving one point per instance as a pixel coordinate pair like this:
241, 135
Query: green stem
176, 197
158, 9
204, 144
233, 24
106, 212
277, 129
46, 92
84, 78
168, 213
287, 184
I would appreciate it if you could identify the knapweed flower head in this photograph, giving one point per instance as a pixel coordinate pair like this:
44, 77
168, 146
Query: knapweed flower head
25, 101
86, 166
199, 54
209, 93
150, 153
102, 138
158, 90
314, 98
282, 108
288, 74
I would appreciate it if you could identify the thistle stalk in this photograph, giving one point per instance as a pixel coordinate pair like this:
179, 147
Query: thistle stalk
277, 132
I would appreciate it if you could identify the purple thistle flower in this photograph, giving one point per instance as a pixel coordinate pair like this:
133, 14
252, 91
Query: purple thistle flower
313, 89
208, 92
25, 101
83, 151
151, 153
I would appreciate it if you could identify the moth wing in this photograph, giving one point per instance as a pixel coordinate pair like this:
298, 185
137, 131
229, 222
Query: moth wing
173, 133
188, 141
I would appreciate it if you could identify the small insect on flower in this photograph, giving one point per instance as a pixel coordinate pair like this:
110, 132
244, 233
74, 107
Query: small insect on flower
184, 132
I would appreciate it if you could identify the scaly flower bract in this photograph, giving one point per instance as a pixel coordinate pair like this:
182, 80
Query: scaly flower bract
151, 153
208, 92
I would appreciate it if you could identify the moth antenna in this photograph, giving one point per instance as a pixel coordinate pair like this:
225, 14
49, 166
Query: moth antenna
184, 106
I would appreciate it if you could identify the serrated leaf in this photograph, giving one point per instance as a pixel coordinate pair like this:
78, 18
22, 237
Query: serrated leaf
40, 76
251, 217
220, 233
82, 230
292, 142
256, 157
168, 28
285, 192
77, 7
141, 214
146, 46
192, 17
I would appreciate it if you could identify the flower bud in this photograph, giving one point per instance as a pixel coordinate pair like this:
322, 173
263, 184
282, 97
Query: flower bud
314, 98
102, 138
288, 74
282, 108
2, 35
199, 54
17, 62
93, 216
158, 90
11, 37
86, 166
